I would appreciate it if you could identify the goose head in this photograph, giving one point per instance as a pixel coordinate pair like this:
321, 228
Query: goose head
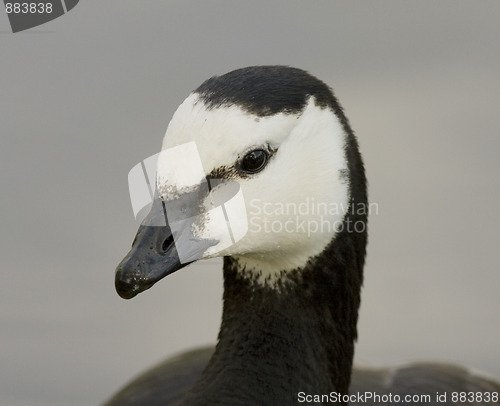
258, 166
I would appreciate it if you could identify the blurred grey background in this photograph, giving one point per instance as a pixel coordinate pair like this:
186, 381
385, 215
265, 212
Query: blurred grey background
89, 95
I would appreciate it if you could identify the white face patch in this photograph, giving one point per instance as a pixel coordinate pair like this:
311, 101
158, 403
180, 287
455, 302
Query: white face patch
179, 170
224, 133
294, 206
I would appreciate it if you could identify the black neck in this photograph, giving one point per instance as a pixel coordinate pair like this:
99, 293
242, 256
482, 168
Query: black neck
277, 341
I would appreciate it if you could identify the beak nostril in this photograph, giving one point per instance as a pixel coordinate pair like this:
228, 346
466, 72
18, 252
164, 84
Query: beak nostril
167, 243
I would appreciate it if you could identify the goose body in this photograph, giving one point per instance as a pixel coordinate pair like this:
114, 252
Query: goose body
168, 382
261, 167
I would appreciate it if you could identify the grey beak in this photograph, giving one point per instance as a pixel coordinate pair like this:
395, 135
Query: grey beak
164, 243
152, 257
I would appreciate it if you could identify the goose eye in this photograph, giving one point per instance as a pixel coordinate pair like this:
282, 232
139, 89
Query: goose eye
254, 161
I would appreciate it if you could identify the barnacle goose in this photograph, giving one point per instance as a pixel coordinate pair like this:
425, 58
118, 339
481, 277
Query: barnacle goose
261, 167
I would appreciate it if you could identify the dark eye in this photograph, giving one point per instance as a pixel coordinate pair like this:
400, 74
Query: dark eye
254, 161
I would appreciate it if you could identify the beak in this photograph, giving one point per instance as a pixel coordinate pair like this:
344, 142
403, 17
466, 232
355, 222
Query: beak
154, 253
169, 238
